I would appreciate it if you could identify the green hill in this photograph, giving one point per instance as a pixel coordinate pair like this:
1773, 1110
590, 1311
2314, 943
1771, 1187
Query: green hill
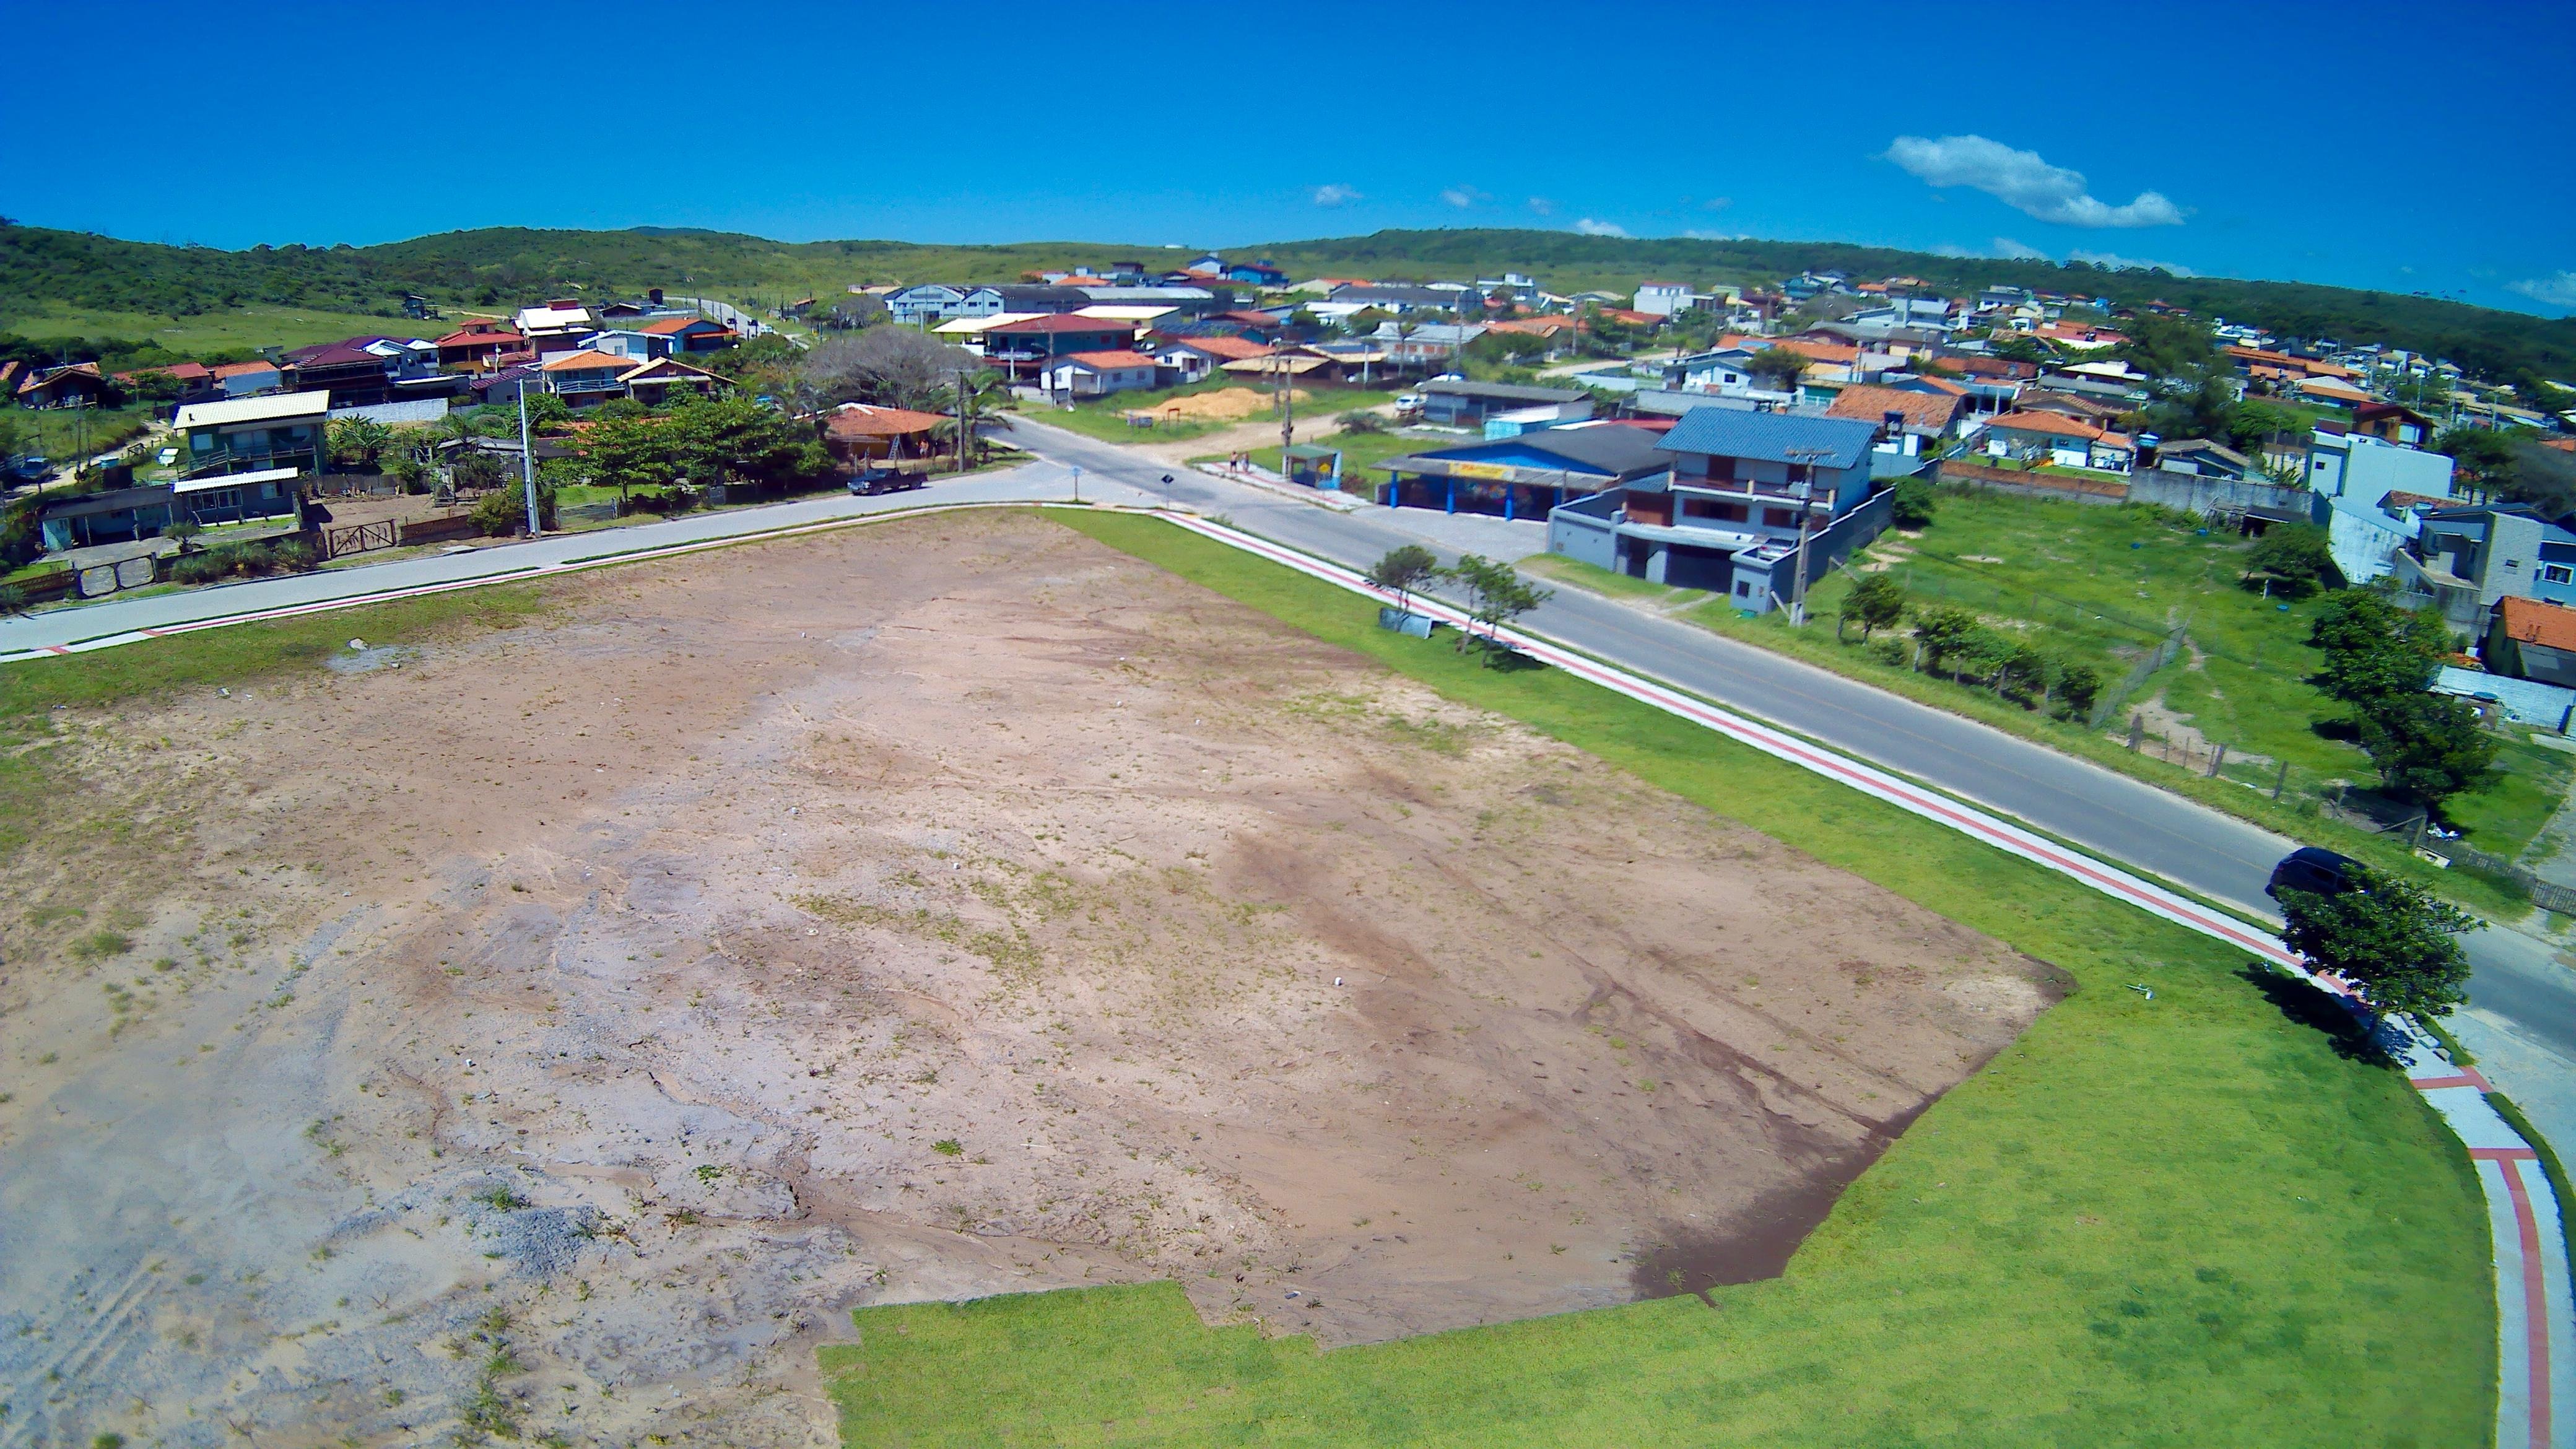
74, 284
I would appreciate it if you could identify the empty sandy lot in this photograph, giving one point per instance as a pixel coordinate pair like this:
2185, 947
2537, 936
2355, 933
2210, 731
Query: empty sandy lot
566, 1027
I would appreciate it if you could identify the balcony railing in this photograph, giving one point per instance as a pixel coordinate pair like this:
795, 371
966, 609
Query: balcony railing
564, 384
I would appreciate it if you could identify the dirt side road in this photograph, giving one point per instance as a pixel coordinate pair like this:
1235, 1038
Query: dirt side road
561, 1028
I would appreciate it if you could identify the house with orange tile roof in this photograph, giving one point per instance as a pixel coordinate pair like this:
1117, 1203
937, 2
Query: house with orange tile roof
585, 378
248, 379
2057, 440
2533, 639
1919, 416
863, 432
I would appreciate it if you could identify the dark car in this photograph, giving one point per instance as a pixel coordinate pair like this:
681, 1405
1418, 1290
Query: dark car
873, 481
2315, 870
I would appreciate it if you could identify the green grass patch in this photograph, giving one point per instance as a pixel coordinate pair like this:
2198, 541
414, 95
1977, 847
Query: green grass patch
2183, 1221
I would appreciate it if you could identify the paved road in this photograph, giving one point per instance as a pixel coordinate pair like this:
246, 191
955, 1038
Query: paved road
2518, 986
2517, 982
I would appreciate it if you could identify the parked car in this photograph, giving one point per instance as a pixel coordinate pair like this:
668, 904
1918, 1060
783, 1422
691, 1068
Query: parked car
35, 465
872, 481
2314, 870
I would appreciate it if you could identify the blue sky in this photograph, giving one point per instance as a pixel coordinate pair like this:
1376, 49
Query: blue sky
2410, 148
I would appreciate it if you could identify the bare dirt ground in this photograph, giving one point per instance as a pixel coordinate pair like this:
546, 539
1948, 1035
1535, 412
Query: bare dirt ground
562, 1030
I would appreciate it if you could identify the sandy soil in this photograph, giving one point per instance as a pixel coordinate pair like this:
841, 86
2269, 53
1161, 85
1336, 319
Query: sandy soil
564, 1027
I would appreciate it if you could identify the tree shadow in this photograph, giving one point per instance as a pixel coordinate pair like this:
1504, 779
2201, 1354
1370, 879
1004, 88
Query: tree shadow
2351, 1032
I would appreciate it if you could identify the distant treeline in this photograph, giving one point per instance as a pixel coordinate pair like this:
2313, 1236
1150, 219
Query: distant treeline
502, 266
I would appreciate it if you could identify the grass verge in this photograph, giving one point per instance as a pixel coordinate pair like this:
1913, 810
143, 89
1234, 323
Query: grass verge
2206, 1217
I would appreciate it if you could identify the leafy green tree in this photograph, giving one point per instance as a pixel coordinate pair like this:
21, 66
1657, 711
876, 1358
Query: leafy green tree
2375, 650
1780, 365
1876, 602
1944, 630
2388, 936
1913, 505
2485, 456
1496, 594
2428, 747
2076, 686
2293, 559
1403, 570
2020, 347
627, 453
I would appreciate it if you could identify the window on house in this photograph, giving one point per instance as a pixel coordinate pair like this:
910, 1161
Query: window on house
1780, 517
2557, 574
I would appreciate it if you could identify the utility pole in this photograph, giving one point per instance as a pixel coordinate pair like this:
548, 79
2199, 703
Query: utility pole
1287, 413
1806, 518
527, 460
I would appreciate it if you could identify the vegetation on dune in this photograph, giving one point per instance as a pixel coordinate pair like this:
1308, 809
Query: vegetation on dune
2091, 1241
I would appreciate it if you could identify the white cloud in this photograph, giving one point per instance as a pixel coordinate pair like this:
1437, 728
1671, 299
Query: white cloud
1717, 203
2024, 182
1589, 227
2013, 251
2555, 290
1463, 196
1717, 236
1336, 194
1542, 206
2119, 263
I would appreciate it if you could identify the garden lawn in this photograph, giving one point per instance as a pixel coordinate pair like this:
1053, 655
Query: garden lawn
2184, 1221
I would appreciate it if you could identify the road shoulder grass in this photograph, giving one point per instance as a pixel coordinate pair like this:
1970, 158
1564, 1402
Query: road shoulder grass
2198, 1218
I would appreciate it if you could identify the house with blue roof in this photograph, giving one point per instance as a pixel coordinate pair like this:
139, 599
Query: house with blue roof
1526, 474
1752, 505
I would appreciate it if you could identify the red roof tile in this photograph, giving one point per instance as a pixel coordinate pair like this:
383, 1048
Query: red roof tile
2529, 621
1114, 358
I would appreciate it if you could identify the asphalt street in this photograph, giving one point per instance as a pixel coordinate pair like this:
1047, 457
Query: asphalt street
2518, 986
2516, 980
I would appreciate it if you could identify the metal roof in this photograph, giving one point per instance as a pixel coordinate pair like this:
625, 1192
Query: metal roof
1771, 437
233, 480
1502, 391
274, 408
1604, 448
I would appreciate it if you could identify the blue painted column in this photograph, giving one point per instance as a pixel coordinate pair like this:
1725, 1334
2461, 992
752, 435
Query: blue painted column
1511, 495
1453, 495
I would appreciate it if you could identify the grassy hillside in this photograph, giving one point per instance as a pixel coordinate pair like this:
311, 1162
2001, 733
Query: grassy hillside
50, 281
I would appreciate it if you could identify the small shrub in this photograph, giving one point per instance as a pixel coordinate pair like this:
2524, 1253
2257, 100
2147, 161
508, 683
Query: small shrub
948, 1147
99, 945
1890, 650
